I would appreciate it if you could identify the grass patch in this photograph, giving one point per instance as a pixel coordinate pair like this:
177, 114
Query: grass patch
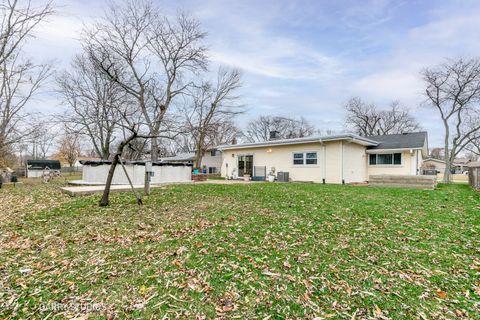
249, 251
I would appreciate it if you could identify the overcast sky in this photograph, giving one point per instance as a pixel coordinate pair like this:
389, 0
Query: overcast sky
307, 57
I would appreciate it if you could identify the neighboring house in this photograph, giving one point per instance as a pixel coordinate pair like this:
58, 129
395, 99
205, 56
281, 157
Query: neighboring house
434, 164
211, 160
36, 168
459, 165
344, 158
186, 157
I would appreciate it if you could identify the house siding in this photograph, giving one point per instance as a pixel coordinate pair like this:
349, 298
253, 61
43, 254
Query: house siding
410, 163
328, 167
212, 162
355, 163
431, 164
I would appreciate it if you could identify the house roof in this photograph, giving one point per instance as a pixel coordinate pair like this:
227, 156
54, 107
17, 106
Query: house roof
352, 137
461, 161
474, 164
184, 156
434, 160
408, 140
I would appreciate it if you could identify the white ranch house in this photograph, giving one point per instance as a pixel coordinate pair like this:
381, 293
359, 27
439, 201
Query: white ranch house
344, 158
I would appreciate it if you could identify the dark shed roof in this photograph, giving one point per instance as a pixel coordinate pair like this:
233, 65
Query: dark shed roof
42, 164
409, 140
96, 163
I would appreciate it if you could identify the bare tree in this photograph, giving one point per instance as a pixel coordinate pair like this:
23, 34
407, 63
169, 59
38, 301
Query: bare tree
287, 128
211, 105
149, 56
43, 140
453, 89
18, 23
136, 149
225, 132
132, 130
20, 79
474, 148
20, 83
69, 148
366, 120
437, 153
91, 98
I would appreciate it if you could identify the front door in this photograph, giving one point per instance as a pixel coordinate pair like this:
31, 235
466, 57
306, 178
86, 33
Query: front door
245, 165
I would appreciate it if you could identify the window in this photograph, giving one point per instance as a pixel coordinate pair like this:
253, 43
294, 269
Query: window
311, 157
298, 158
397, 158
213, 153
304, 158
385, 159
212, 170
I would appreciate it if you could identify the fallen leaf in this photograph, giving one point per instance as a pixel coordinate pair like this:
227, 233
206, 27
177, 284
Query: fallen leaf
441, 294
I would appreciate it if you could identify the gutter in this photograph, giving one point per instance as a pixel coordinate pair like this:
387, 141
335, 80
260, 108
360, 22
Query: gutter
391, 150
357, 139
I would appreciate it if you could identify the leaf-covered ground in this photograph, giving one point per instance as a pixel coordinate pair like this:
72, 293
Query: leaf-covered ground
279, 251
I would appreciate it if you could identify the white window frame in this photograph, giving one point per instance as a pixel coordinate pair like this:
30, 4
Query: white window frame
304, 164
386, 165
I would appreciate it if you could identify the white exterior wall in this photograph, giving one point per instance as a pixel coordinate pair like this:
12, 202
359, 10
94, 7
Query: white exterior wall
355, 163
34, 173
410, 162
208, 161
162, 174
328, 167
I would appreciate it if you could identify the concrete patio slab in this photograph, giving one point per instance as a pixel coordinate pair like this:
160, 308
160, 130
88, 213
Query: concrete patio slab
217, 181
88, 190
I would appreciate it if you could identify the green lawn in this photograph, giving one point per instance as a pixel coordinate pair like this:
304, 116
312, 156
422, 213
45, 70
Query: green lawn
246, 251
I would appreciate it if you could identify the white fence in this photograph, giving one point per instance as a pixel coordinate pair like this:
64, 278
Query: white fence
96, 173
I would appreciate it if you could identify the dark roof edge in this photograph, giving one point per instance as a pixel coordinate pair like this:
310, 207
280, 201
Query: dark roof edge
137, 162
293, 141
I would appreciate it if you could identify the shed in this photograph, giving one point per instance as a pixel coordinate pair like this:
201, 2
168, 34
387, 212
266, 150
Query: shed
95, 172
35, 168
474, 174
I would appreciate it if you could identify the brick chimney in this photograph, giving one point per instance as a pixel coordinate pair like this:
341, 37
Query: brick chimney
274, 135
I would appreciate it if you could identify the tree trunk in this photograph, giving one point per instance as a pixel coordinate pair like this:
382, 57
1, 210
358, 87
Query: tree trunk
106, 192
198, 158
154, 149
446, 173
198, 151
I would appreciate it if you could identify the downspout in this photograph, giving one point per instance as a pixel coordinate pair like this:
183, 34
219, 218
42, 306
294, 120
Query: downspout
343, 179
324, 170
416, 164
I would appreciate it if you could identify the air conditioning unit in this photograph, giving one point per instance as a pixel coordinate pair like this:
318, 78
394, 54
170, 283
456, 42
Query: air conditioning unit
283, 176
